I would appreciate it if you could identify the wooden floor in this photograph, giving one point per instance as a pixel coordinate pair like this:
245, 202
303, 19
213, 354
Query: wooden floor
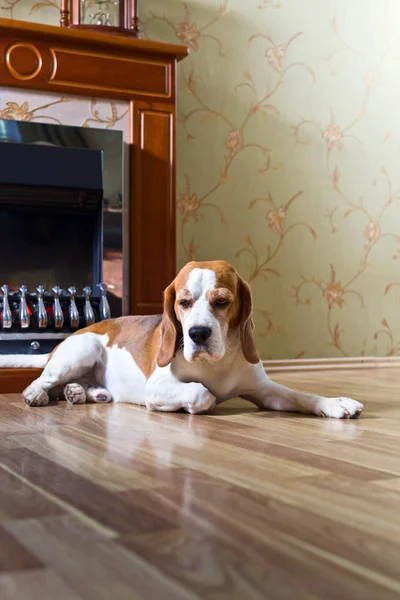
112, 502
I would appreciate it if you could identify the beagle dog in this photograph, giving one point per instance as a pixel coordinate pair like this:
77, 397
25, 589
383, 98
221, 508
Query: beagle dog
199, 353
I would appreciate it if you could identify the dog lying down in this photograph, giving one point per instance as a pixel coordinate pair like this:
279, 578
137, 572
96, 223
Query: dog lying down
199, 353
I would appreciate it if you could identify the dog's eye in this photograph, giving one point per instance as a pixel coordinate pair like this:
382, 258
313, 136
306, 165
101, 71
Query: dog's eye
185, 303
221, 303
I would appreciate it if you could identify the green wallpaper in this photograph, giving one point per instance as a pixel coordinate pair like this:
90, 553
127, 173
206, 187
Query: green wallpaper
288, 160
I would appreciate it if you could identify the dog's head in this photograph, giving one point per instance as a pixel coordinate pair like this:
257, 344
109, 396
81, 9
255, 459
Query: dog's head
202, 305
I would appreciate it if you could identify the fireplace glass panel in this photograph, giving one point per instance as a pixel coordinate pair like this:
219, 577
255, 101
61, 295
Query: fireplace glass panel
49, 248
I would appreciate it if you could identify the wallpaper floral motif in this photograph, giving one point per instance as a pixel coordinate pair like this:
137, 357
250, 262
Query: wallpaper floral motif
64, 110
288, 154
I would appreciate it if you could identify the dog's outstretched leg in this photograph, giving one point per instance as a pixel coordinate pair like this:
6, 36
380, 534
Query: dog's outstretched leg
272, 396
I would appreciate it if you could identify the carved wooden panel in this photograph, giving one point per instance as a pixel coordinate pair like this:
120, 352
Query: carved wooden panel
153, 204
118, 76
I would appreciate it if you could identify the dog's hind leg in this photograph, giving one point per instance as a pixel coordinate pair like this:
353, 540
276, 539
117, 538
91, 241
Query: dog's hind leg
71, 360
98, 394
75, 393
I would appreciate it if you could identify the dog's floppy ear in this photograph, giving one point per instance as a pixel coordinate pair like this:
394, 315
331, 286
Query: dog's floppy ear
169, 327
246, 323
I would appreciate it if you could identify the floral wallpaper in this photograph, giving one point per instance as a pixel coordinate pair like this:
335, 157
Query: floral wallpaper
288, 154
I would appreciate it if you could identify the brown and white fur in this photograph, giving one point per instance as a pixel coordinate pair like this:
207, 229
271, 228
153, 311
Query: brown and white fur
200, 352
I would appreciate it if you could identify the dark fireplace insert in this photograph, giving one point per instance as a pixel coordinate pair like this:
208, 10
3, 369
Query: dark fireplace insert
61, 223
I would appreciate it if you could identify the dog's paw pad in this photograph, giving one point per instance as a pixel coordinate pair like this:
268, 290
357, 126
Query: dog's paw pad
75, 393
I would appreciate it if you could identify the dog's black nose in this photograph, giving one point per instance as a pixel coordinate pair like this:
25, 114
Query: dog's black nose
199, 334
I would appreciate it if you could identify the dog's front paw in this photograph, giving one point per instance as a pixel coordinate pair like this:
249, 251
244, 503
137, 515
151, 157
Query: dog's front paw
200, 400
194, 398
34, 395
339, 408
158, 400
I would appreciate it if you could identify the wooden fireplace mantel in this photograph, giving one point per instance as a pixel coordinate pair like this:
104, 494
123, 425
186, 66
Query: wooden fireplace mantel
143, 73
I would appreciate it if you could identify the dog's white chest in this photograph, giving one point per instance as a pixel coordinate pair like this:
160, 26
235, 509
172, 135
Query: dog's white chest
123, 378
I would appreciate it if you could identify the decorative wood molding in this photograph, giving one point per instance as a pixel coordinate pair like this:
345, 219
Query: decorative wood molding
84, 63
23, 61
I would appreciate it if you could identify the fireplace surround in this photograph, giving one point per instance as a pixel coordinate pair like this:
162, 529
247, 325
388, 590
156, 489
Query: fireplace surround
141, 73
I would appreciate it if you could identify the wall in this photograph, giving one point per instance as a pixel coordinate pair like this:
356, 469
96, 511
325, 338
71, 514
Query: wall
288, 152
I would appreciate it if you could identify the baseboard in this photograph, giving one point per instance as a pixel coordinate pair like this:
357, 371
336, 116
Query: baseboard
321, 364
13, 381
